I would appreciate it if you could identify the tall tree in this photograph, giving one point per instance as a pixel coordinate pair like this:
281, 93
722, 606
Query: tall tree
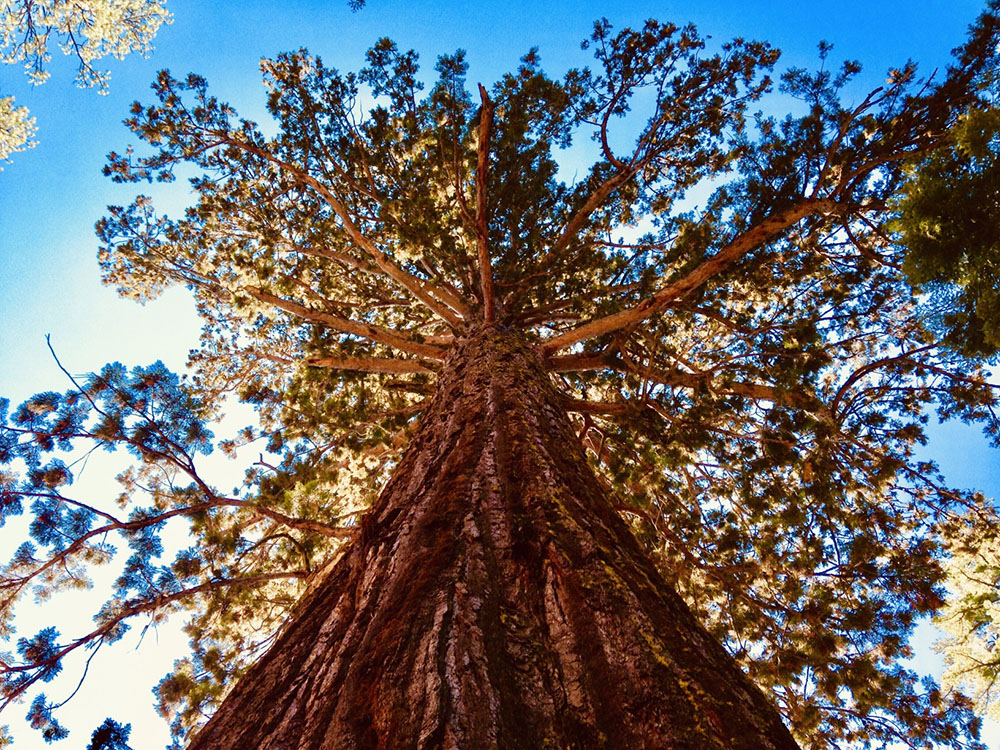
515, 413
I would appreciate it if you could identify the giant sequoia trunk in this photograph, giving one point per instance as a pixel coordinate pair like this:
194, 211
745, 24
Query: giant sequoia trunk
494, 599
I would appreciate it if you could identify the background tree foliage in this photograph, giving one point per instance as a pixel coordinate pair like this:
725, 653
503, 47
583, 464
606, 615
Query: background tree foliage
87, 30
110, 736
948, 220
751, 319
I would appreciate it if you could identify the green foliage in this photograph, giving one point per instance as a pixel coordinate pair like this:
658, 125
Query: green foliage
948, 222
751, 374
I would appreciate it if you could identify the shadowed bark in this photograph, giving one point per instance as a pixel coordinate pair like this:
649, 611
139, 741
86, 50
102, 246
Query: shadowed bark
494, 599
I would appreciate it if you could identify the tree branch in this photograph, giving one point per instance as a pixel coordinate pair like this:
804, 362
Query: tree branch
79, 543
678, 378
370, 364
132, 609
440, 301
722, 261
593, 202
872, 367
352, 327
593, 407
545, 313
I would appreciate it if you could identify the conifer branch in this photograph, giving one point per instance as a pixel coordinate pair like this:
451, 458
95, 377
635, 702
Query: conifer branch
352, 327
549, 312
593, 202
370, 364
440, 301
582, 406
344, 258
871, 367
132, 609
303, 524
681, 379
722, 261
16, 584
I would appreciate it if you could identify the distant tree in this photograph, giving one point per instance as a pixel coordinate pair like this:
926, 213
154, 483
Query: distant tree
971, 615
110, 736
86, 29
514, 414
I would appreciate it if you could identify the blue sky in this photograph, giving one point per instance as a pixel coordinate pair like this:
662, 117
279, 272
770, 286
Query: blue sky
51, 196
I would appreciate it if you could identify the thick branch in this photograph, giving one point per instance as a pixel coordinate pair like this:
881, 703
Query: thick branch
370, 364
581, 406
678, 378
352, 327
305, 524
722, 261
595, 201
580, 362
482, 220
344, 258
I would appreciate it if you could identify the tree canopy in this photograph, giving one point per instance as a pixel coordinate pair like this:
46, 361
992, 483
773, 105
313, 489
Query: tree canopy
750, 318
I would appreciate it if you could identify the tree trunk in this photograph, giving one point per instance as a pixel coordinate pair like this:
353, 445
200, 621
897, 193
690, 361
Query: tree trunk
494, 599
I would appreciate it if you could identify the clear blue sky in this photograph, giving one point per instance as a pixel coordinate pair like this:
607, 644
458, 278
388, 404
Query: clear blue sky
51, 196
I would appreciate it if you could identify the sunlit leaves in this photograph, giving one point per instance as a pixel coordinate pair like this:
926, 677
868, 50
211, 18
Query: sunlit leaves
971, 617
88, 30
17, 128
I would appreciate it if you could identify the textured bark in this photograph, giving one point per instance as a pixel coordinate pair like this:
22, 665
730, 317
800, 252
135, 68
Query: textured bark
494, 599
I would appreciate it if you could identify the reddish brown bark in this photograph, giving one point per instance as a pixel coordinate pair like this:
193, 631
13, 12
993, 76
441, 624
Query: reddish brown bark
494, 599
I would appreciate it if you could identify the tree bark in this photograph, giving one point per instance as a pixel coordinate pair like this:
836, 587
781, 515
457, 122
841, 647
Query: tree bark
494, 599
